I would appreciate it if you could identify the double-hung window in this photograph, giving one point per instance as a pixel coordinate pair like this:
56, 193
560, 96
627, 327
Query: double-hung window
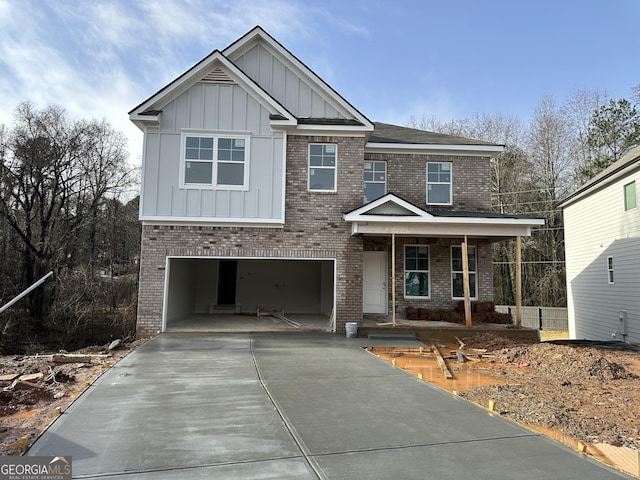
416, 271
630, 196
610, 278
375, 180
322, 167
457, 277
439, 183
215, 161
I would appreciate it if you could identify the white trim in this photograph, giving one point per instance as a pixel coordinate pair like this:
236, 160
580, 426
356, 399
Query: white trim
258, 35
174, 89
475, 272
334, 168
450, 202
364, 182
216, 135
624, 196
433, 149
404, 272
389, 197
217, 257
214, 222
285, 141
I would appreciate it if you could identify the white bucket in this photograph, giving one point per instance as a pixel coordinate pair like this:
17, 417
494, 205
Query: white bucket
352, 329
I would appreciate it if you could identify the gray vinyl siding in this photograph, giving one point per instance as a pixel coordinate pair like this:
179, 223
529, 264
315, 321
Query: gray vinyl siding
597, 227
285, 85
212, 108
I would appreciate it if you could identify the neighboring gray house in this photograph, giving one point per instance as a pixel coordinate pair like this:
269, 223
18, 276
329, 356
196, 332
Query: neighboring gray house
264, 187
602, 242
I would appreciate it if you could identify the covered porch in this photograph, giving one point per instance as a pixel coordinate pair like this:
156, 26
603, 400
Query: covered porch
434, 259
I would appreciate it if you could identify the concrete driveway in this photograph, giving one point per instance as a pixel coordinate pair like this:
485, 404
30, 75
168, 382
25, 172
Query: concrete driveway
290, 406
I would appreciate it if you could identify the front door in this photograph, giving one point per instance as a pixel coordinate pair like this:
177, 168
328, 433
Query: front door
374, 294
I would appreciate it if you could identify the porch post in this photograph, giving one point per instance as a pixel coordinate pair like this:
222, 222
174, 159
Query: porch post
465, 282
518, 281
393, 279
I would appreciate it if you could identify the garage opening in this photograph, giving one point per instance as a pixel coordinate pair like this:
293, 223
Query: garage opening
210, 293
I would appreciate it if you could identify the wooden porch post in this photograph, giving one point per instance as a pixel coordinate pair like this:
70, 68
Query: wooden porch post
518, 281
465, 282
393, 279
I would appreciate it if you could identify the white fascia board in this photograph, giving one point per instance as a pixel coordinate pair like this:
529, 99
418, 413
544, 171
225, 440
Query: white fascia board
244, 44
445, 220
474, 150
213, 222
442, 229
181, 84
329, 131
358, 215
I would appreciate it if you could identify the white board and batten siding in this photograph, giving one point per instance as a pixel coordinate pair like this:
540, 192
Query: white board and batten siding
596, 228
287, 86
212, 108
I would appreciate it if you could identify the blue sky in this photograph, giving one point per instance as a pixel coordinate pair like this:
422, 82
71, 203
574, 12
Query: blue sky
392, 59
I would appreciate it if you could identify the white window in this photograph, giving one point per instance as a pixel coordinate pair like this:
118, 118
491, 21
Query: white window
439, 183
630, 196
610, 270
322, 167
416, 271
457, 277
215, 161
375, 180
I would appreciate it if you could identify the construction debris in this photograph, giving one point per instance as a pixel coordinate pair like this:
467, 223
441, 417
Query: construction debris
445, 369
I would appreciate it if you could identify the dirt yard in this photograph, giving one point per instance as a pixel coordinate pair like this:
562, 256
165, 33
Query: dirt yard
571, 393
33, 387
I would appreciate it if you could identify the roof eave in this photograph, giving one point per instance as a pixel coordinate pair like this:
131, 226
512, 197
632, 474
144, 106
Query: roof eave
482, 150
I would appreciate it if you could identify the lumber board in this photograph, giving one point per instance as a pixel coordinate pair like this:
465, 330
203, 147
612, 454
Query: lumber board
445, 369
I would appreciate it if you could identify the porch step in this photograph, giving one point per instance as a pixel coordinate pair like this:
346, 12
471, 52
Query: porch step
392, 335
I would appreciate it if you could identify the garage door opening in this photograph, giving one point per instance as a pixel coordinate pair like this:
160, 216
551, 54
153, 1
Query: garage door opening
225, 294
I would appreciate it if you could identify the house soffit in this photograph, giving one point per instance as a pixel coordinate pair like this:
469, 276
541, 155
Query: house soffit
391, 213
215, 68
257, 36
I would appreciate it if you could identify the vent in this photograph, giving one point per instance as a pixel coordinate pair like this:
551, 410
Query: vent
217, 76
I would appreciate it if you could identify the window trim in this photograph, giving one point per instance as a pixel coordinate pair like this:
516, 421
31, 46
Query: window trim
450, 182
610, 270
428, 271
475, 272
624, 196
334, 168
216, 136
364, 182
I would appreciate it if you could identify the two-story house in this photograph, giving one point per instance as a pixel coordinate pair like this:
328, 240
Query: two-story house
262, 187
602, 241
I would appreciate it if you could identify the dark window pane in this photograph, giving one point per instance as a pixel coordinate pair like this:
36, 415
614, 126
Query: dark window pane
192, 142
230, 174
438, 194
224, 143
372, 191
198, 172
416, 284
321, 179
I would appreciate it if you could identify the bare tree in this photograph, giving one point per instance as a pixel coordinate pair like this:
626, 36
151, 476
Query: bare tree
54, 175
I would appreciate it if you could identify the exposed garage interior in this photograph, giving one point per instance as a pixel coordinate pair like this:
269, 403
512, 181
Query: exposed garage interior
212, 288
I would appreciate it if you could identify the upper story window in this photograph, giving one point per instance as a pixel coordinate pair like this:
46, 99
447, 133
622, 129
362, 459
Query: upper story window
215, 161
630, 196
322, 167
439, 183
416, 271
375, 180
610, 270
457, 275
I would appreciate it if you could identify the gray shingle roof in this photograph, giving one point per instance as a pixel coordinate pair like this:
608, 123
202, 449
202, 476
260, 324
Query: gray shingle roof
387, 133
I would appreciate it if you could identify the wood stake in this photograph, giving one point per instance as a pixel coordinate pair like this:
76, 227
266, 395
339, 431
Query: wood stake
445, 370
492, 406
518, 281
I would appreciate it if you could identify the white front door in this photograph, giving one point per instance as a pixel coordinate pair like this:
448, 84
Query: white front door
374, 283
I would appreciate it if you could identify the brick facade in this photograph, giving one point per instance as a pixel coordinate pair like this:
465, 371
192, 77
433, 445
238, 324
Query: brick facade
314, 228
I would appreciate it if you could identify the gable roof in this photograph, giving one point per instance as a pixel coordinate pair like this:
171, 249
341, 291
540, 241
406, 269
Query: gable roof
215, 65
628, 162
258, 35
391, 214
386, 137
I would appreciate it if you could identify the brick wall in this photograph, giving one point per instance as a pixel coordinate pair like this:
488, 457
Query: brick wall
314, 228
407, 178
439, 269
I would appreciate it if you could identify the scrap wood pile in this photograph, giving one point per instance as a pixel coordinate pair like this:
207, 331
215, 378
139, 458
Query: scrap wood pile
481, 312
